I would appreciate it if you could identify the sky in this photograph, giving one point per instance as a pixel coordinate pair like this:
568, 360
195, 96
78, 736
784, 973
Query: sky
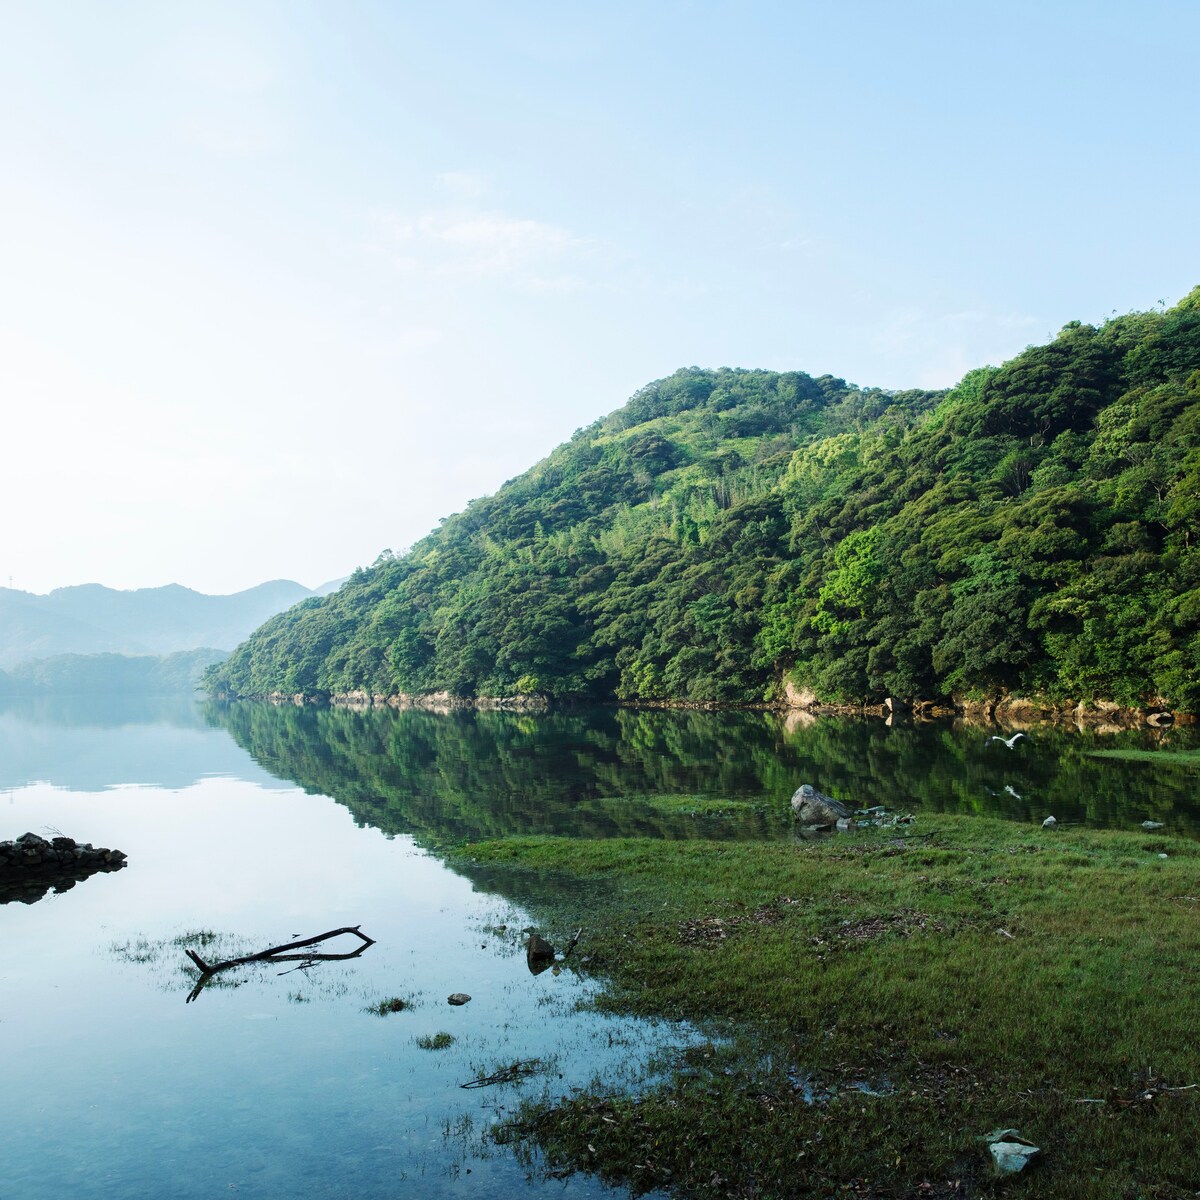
283, 284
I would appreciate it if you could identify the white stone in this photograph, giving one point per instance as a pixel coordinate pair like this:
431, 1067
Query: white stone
1011, 1157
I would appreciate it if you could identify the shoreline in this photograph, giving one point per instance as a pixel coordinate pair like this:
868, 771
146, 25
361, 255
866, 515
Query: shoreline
1004, 712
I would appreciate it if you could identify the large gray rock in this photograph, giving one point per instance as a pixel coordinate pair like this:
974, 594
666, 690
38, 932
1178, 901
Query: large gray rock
811, 807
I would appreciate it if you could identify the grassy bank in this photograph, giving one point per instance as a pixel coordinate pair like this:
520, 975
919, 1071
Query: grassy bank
883, 1002
1171, 758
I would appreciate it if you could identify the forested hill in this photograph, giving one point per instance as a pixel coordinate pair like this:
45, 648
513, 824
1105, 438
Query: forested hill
1035, 529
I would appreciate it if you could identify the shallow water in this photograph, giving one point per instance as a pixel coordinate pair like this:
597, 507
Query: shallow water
265, 823
284, 1086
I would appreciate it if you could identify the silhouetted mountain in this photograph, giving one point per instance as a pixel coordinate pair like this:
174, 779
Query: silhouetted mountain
92, 619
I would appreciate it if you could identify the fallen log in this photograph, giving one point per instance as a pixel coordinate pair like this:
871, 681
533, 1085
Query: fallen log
279, 954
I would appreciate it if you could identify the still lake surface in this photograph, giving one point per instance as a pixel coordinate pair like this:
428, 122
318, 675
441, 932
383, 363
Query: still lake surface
262, 823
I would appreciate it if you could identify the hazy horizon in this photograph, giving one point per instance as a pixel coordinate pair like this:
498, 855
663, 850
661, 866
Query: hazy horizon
289, 283
173, 583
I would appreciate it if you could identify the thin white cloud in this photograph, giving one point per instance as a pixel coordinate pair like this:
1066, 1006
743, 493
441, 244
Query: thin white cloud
463, 186
472, 242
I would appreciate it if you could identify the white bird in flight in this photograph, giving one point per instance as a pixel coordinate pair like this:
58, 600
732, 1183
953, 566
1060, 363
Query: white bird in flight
1009, 742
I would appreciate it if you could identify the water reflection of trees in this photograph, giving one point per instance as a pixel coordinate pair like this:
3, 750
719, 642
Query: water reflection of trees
471, 775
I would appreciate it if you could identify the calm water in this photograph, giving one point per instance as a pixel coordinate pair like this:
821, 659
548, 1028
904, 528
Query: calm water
262, 823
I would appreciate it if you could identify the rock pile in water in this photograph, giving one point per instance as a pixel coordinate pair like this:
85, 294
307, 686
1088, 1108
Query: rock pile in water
32, 865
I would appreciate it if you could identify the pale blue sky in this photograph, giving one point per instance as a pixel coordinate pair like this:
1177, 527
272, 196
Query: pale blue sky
281, 284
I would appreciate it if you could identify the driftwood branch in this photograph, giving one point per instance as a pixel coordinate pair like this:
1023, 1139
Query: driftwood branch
509, 1074
278, 954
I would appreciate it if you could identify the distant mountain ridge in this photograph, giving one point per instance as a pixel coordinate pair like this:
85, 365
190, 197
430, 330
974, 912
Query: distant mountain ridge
93, 619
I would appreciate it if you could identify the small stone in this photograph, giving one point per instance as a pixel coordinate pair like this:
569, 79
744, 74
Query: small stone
539, 954
1010, 1151
1049, 823
1151, 826
1011, 1157
458, 998
1162, 856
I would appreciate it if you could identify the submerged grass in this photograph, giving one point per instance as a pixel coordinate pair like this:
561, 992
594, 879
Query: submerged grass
1169, 758
976, 975
701, 806
391, 1004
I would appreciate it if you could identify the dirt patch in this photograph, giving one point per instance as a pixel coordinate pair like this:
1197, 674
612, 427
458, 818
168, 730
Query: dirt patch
709, 931
901, 924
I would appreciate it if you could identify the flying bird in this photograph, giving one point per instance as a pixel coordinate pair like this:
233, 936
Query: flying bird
1009, 742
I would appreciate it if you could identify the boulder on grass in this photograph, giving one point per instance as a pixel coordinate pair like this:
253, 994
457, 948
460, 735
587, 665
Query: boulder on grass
811, 807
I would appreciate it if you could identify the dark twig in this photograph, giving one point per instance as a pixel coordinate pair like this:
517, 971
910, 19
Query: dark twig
517, 1070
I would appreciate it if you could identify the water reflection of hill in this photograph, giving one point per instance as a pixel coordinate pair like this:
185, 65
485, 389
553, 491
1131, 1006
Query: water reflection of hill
471, 775
90, 743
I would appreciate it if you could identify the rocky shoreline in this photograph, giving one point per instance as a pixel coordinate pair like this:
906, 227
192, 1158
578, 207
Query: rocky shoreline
31, 866
1007, 711
797, 704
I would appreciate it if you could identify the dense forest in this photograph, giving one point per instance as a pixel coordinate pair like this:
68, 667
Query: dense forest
1033, 530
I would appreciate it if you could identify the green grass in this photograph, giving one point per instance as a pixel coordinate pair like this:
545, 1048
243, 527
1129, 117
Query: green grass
988, 975
392, 1004
700, 806
1169, 758
435, 1041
